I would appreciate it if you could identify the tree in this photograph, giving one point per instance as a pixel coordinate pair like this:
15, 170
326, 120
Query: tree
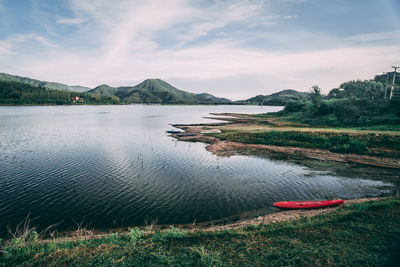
316, 96
336, 93
363, 89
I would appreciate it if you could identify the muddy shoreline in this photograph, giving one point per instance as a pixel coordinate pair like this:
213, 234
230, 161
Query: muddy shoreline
214, 225
227, 148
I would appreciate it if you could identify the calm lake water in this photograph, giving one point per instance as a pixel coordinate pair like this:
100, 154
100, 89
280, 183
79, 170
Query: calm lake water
113, 166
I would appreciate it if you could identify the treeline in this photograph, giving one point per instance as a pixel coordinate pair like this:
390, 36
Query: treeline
280, 98
17, 93
354, 103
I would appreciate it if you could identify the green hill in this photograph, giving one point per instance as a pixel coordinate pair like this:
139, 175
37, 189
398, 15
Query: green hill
20, 93
104, 90
48, 85
157, 91
280, 98
149, 91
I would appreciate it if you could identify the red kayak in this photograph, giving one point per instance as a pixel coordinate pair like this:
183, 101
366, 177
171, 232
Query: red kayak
308, 204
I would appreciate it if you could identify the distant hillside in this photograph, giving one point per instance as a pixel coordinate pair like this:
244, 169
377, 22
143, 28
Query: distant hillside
20, 93
104, 90
48, 85
280, 98
149, 91
157, 91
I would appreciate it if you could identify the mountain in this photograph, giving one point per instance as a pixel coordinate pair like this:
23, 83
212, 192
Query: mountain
104, 89
48, 85
157, 91
149, 91
280, 98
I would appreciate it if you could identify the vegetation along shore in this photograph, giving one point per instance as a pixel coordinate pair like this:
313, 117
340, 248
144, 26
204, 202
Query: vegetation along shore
248, 134
355, 123
358, 239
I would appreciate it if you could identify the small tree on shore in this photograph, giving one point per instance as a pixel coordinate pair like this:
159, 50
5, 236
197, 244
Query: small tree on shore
316, 96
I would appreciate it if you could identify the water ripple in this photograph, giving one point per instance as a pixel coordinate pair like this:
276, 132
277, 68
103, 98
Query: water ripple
114, 166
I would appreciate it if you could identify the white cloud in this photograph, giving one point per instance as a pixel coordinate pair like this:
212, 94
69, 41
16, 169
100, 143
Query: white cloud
376, 36
5, 48
12, 44
218, 16
71, 21
129, 25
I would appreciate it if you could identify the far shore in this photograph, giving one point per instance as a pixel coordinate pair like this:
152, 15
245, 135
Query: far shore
127, 104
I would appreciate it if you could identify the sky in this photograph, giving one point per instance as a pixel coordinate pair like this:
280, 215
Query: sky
233, 49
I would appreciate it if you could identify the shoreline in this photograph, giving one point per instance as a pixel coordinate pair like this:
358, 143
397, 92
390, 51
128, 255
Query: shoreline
226, 148
351, 232
282, 215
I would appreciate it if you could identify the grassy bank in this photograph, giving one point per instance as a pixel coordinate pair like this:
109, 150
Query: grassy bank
366, 144
363, 234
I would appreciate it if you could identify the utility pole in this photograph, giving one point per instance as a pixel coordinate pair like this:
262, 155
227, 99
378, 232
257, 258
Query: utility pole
386, 83
394, 77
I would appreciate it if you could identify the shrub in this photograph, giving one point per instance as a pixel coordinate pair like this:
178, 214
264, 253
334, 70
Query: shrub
33, 237
207, 258
251, 227
135, 234
17, 241
113, 237
352, 146
157, 236
173, 232
293, 106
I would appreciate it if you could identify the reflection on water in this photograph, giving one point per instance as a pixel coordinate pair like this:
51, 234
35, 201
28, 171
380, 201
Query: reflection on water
113, 166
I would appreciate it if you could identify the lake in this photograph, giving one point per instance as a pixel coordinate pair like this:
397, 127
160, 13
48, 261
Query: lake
113, 166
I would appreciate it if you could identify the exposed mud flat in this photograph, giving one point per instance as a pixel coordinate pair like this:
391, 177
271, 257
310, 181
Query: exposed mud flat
228, 148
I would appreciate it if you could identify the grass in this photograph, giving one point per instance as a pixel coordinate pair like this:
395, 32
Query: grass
341, 142
290, 123
365, 234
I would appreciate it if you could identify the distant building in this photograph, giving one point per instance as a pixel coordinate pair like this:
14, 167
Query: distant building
77, 99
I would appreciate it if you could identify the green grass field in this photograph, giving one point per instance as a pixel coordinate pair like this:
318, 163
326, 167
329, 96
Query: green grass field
366, 234
386, 145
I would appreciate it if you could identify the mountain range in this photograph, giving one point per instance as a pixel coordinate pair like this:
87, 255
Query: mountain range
155, 91
48, 85
149, 91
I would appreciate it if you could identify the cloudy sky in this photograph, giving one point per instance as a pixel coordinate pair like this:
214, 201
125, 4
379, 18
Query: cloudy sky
234, 49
